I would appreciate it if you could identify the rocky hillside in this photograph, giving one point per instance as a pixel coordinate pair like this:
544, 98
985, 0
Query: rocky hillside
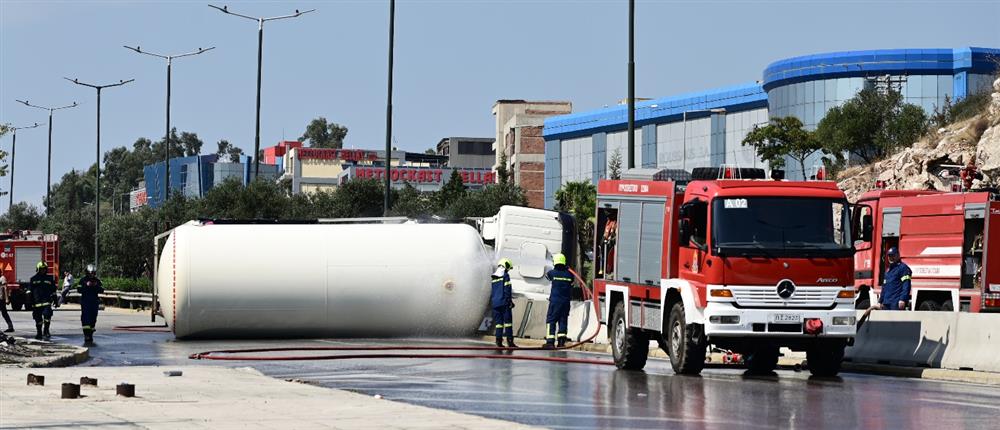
921, 166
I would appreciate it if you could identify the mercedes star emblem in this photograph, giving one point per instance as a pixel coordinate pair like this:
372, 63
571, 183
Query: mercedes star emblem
786, 289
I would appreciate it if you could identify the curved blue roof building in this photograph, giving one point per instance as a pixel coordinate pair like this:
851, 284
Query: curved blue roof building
707, 128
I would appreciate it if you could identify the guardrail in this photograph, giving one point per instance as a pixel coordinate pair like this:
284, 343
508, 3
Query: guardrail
119, 299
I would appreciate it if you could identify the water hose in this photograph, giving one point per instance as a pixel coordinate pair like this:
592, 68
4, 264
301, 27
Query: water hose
142, 328
248, 354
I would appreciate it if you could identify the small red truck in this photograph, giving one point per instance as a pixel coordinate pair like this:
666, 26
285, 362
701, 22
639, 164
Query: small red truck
950, 240
20, 252
747, 265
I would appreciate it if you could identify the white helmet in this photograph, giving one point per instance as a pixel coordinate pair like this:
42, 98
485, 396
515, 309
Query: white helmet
91, 269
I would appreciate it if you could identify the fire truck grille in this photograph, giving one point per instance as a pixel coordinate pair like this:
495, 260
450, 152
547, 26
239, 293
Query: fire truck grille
767, 297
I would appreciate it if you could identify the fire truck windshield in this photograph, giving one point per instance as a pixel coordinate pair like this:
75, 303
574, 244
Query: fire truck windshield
781, 227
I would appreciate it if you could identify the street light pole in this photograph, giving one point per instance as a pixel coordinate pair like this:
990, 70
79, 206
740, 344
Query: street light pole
631, 84
13, 154
388, 109
97, 185
166, 149
48, 182
260, 54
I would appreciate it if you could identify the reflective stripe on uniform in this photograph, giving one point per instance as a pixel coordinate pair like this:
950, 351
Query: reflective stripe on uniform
508, 325
507, 283
499, 326
559, 278
87, 327
904, 278
38, 305
561, 334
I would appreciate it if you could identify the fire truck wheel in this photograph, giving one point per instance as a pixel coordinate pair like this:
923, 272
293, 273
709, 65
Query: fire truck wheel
763, 360
629, 346
948, 306
686, 343
824, 358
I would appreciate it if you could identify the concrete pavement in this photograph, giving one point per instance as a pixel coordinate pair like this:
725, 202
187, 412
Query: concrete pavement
209, 397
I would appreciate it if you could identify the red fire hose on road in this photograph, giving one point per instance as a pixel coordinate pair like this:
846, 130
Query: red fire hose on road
142, 328
247, 354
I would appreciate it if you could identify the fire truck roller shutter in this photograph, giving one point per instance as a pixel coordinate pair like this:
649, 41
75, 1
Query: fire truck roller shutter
287, 280
25, 259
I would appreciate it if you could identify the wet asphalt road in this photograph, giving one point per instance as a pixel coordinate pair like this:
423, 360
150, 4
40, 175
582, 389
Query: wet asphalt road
559, 395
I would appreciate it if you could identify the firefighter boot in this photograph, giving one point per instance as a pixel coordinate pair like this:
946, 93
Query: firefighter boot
88, 337
46, 333
510, 342
499, 342
562, 342
38, 331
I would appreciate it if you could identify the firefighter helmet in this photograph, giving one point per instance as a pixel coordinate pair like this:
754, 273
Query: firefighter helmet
559, 259
41, 266
91, 269
892, 252
506, 263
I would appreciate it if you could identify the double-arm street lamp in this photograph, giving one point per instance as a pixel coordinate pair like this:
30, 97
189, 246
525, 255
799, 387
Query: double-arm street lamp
166, 149
97, 185
13, 153
48, 182
260, 56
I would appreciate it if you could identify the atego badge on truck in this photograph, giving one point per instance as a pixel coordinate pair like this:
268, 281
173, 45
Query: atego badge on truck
748, 265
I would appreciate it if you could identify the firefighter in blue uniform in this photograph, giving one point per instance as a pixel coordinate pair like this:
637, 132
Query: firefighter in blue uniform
896, 290
90, 287
43, 295
559, 296
502, 302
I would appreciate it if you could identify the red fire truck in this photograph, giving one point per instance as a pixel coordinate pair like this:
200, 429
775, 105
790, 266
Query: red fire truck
951, 241
21, 251
748, 265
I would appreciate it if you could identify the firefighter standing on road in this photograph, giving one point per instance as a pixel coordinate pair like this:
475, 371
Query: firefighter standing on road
559, 297
896, 291
43, 295
502, 302
90, 287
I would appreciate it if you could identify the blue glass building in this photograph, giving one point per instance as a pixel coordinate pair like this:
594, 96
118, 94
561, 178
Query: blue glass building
193, 176
707, 128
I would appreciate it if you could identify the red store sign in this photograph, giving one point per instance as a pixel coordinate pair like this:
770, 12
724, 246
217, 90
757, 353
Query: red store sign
425, 175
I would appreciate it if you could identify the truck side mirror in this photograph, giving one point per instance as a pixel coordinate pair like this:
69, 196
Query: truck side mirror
684, 229
866, 228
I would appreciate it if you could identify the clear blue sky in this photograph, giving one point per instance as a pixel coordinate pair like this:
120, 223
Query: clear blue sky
453, 60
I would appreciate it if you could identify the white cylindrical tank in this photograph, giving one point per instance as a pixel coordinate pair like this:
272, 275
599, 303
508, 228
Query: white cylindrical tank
301, 280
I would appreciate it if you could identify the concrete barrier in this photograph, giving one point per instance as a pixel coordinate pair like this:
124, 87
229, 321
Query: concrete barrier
950, 340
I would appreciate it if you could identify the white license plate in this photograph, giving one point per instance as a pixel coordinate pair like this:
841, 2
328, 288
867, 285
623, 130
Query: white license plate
786, 318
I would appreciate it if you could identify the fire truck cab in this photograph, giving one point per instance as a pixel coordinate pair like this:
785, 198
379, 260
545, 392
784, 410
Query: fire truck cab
950, 240
20, 251
748, 265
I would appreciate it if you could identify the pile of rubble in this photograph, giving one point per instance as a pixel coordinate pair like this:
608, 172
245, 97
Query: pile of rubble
929, 163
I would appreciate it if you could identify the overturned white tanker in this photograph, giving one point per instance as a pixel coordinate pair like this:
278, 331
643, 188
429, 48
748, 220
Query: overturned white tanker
302, 280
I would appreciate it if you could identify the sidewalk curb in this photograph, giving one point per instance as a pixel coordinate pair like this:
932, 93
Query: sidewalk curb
934, 374
70, 355
68, 359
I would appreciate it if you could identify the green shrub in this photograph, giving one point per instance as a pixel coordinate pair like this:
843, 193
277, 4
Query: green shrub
128, 285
